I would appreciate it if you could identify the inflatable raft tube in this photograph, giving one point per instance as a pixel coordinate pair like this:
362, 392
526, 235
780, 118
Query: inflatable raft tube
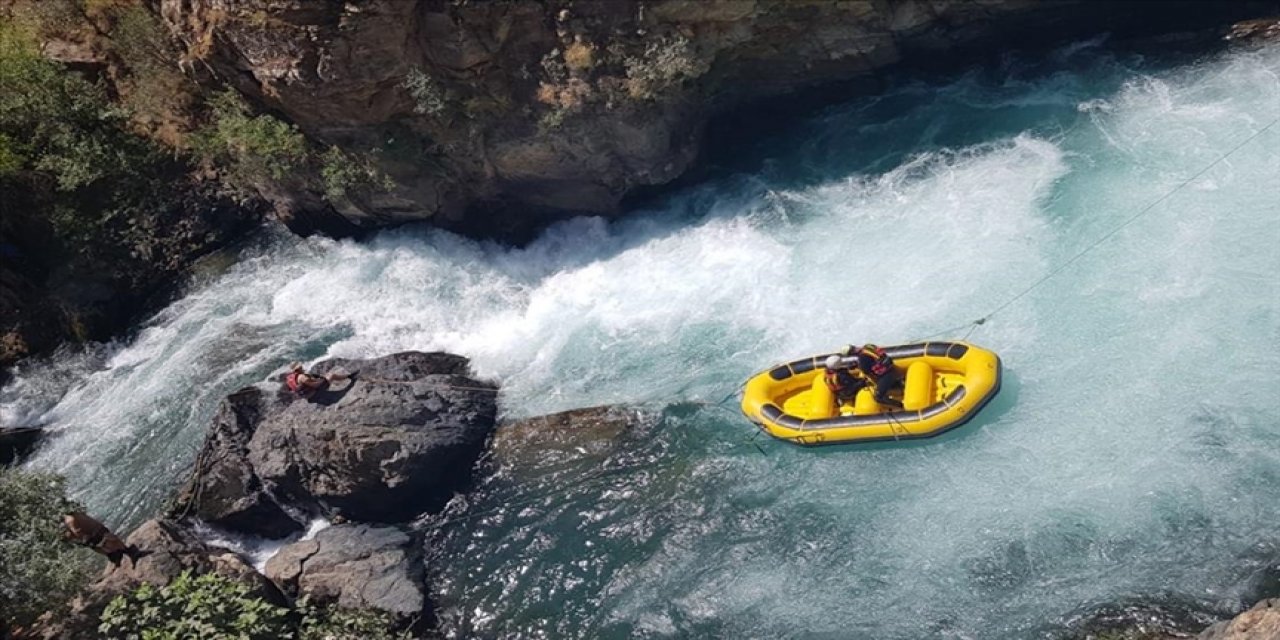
945, 385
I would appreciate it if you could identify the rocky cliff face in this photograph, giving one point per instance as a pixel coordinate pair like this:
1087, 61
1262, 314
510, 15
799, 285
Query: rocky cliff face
494, 117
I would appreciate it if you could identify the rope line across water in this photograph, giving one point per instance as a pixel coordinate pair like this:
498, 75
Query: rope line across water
1106, 236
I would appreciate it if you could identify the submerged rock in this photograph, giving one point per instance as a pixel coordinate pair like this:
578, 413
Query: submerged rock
394, 441
355, 567
559, 438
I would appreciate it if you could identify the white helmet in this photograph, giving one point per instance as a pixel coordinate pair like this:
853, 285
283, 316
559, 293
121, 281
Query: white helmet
833, 363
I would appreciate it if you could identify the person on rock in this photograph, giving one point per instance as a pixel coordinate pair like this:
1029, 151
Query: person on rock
84, 530
877, 366
843, 380
306, 385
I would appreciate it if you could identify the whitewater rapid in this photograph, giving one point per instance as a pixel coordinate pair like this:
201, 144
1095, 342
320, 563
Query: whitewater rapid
1132, 454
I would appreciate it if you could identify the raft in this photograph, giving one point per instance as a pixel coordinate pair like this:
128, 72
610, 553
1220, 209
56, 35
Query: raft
945, 385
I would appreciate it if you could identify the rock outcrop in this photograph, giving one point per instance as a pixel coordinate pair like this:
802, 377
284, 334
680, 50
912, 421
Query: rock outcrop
1258, 31
356, 567
169, 548
17, 442
1262, 622
395, 440
494, 117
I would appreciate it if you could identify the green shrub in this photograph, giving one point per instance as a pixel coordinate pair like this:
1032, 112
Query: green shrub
252, 147
38, 571
336, 623
57, 123
11, 160
66, 155
343, 172
209, 607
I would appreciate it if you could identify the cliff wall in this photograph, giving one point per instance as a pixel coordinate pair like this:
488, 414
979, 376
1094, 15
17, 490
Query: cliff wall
493, 118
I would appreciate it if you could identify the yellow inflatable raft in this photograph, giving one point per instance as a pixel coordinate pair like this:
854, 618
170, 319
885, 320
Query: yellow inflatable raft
946, 383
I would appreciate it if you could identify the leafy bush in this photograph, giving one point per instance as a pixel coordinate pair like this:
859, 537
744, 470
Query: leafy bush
343, 172
209, 607
253, 147
38, 571
428, 95
336, 623
56, 123
212, 607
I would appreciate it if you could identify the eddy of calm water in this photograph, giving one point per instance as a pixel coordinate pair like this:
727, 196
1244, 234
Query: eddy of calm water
1133, 453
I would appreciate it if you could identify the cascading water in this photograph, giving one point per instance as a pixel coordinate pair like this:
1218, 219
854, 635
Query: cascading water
1131, 454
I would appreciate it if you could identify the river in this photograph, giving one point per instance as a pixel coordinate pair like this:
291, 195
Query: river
1078, 199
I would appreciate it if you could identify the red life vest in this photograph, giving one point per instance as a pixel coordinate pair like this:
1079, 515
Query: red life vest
882, 363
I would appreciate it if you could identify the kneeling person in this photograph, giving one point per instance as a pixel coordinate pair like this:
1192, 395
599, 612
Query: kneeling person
874, 363
843, 381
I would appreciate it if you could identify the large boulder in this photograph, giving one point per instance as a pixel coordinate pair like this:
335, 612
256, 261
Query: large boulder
396, 440
356, 567
1262, 622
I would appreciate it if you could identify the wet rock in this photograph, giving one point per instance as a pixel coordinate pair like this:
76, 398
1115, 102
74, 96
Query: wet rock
534, 444
17, 442
1262, 622
1255, 31
1157, 619
394, 441
166, 550
355, 567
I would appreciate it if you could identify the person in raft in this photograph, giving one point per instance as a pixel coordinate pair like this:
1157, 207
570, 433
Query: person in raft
843, 380
876, 365
82, 529
306, 385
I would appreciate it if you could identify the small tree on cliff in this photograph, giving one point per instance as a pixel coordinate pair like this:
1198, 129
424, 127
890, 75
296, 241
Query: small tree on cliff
38, 571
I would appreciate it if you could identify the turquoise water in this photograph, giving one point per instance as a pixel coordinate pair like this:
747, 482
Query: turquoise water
1131, 455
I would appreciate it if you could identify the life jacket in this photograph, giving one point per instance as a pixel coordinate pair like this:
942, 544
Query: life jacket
881, 363
835, 382
292, 381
